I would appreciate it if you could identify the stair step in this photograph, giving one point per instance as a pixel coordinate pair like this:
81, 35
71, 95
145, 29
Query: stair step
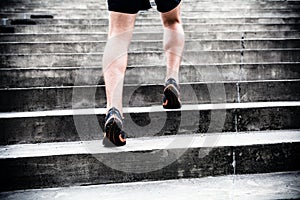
149, 27
280, 185
150, 58
62, 125
82, 3
69, 76
184, 8
194, 5
43, 98
143, 144
140, 45
98, 46
237, 14
185, 20
202, 14
44, 37
81, 163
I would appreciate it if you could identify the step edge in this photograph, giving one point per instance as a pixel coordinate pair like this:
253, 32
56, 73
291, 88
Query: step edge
151, 109
151, 51
152, 41
105, 33
149, 66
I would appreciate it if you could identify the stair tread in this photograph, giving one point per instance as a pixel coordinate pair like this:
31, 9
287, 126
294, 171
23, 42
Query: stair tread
149, 41
150, 51
152, 57
152, 143
145, 36
160, 83
151, 66
191, 107
139, 32
280, 185
288, 20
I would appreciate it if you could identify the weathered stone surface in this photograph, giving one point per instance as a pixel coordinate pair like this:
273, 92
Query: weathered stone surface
187, 6
135, 58
185, 20
69, 76
268, 119
152, 27
150, 58
83, 169
253, 186
91, 96
25, 37
38, 99
190, 45
269, 91
204, 14
63, 128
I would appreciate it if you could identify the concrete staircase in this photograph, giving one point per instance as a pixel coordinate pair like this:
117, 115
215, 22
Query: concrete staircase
240, 84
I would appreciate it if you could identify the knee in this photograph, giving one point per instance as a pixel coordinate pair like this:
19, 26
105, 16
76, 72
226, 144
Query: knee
172, 22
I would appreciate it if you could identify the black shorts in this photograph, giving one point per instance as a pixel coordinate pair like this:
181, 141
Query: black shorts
133, 6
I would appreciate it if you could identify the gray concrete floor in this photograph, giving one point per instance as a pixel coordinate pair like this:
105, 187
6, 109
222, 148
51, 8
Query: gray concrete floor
284, 185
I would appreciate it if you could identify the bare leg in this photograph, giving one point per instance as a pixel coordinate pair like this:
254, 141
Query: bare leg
173, 41
115, 56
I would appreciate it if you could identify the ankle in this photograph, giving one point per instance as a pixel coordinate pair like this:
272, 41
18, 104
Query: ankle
172, 77
109, 108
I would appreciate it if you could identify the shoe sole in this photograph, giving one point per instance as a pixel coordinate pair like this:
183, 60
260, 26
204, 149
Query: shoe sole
172, 98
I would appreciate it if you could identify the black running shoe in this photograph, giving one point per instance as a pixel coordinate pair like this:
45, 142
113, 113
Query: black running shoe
113, 134
171, 99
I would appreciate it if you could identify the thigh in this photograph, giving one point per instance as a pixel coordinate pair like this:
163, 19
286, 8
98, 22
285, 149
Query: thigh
171, 17
120, 24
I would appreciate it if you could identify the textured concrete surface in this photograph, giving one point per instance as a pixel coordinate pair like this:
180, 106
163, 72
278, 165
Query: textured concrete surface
139, 28
185, 20
149, 27
58, 125
152, 143
152, 13
25, 37
150, 74
134, 95
253, 187
96, 46
150, 58
155, 158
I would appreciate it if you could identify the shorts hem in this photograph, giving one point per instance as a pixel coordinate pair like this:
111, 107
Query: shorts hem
168, 9
122, 11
